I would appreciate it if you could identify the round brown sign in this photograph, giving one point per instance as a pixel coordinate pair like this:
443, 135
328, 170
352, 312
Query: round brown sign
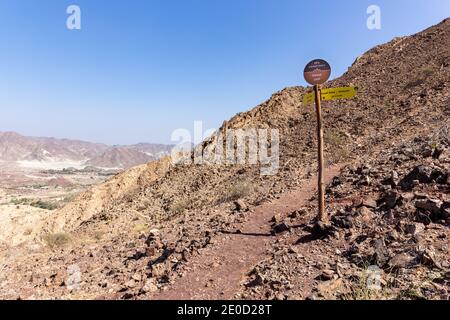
317, 72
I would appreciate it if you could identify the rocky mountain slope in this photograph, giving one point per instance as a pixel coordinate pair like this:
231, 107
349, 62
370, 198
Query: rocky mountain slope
17, 148
390, 230
130, 242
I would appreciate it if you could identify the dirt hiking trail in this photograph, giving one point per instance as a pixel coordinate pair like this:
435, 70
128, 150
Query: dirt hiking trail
218, 271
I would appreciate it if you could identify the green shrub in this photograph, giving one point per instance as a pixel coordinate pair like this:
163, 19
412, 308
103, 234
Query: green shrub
180, 206
20, 201
426, 72
238, 191
334, 139
337, 147
44, 205
55, 240
422, 75
35, 203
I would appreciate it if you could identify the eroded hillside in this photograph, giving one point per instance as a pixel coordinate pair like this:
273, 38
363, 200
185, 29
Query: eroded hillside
133, 235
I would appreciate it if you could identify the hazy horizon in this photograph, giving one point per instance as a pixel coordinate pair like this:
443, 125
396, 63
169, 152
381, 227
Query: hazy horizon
89, 141
137, 71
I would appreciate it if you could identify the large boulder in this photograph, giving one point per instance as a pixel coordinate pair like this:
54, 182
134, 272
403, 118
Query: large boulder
419, 173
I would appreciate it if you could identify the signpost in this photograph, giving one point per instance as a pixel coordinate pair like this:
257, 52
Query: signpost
317, 72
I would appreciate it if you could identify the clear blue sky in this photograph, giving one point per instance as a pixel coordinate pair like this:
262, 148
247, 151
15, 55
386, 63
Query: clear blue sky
139, 69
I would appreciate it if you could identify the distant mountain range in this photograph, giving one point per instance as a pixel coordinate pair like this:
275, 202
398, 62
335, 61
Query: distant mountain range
59, 153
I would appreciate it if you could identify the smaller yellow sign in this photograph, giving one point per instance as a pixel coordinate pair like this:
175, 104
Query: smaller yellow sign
308, 99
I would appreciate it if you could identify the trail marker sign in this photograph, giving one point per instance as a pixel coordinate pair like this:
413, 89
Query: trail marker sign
317, 72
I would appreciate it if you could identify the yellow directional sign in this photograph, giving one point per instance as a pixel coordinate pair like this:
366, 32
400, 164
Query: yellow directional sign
339, 93
332, 94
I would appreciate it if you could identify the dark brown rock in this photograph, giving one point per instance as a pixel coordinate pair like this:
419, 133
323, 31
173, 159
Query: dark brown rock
430, 205
422, 174
401, 261
241, 206
282, 227
390, 199
369, 203
414, 228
